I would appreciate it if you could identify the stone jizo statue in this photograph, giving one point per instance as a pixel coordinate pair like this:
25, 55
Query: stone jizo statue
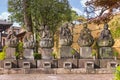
47, 38
105, 38
12, 40
66, 37
28, 40
85, 38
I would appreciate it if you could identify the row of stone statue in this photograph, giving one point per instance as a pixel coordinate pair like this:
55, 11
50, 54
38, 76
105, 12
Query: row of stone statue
86, 39
66, 38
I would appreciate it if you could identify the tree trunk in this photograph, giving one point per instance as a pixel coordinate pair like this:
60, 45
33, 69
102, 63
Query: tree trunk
27, 15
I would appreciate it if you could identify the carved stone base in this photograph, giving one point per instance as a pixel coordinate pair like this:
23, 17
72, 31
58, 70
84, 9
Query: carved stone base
46, 53
105, 52
10, 53
66, 52
28, 54
85, 52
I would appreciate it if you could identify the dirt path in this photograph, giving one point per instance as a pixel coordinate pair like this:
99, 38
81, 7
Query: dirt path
57, 77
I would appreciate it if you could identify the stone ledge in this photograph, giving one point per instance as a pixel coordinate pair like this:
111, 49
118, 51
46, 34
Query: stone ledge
56, 71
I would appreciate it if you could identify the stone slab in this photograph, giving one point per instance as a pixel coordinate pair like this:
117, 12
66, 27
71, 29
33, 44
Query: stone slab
54, 63
105, 62
85, 52
28, 54
32, 63
82, 62
46, 53
74, 62
10, 53
65, 52
13, 63
105, 52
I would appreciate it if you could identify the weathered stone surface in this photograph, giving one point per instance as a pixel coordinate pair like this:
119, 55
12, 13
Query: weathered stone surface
89, 65
10, 53
13, 63
65, 52
28, 40
47, 40
74, 62
26, 65
67, 65
54, 63
8, 65
112, 65
32, 63
12, 39
1, 63
82, 63
46, 53
105, 39
66, 38
47, 65
105, 52
104, 62
85, 52
28, 54
85, 38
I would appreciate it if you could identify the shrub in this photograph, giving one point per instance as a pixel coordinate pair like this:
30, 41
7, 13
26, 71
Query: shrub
94, 52
116, 53
2, 55
117, 73
72, 51
54, 55
37, 56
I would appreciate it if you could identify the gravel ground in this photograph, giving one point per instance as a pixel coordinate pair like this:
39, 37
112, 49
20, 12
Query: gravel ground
57, 77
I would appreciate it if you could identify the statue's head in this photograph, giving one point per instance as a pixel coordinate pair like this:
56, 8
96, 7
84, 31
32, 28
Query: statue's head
47, 28
65, 25
85, 25
106, 26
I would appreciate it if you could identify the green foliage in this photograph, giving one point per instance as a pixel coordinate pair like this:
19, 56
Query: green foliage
115, 53
54, 55
42, 12
19, 50
17, 55
115, 27
117, 73
37, 56
94, 52
19, 47
2, 54
73, 51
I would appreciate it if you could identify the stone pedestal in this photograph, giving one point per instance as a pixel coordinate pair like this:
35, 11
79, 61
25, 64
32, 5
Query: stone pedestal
105, 52
8, 65
46, 53
26, 65
85, 52
67, 65
89, 65
65, 52
28, 54
10, 53
112, 65
47, 65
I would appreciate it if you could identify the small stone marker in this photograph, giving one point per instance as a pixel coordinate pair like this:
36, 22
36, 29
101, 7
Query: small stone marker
112, 65
85, 52
67, 65
8, 64
89, 65
26, 64
47, 65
